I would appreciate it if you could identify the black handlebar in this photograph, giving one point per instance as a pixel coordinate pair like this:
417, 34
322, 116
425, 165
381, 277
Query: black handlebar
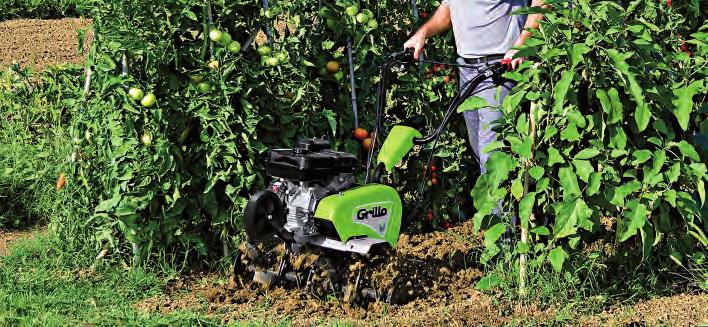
494, 70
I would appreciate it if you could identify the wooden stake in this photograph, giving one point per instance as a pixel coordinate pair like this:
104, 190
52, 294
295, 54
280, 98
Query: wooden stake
524, 228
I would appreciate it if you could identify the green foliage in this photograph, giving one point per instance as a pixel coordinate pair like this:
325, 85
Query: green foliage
33, 143
167, 184
619, 112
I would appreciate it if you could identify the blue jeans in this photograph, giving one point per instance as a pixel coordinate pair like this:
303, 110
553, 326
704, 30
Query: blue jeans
480, 122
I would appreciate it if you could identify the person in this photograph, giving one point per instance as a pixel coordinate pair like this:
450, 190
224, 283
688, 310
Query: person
485, 32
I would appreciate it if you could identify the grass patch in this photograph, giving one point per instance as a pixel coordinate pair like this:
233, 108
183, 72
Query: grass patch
41, 285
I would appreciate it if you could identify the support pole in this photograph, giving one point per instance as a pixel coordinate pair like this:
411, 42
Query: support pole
524, 227
352, 82
267, 27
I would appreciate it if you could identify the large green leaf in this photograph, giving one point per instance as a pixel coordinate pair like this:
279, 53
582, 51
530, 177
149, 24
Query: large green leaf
561, 89
688, 150
557, 257
525, 208
473, 103
621, 192
568, 181
633, 219
570, 215
587, 153
554, 156
683, 100
584, 169
594, 184
642, 114
492, 234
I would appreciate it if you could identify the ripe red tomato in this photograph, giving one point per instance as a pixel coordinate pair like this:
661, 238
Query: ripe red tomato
424, 14
684, 46
446, 79
434, 181
366, 144
433, 168
360, 134
668, 3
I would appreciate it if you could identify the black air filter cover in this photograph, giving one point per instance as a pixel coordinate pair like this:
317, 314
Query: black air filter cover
312, 161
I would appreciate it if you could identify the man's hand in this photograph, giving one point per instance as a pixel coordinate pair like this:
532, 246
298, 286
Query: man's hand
438, 23
417, 42
514, 62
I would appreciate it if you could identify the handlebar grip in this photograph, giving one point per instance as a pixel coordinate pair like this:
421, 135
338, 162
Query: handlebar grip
406, 54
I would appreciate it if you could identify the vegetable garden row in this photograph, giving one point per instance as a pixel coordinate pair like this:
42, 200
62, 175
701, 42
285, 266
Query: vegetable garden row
163, 134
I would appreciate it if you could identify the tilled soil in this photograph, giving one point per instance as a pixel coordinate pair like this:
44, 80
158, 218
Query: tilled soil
441, 269
42, 43
677, 310
436, 271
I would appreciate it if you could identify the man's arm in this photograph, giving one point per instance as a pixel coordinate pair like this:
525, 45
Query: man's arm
439, 23
532, 22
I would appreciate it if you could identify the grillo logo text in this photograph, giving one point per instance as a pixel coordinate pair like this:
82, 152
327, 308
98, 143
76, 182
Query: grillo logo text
375, 212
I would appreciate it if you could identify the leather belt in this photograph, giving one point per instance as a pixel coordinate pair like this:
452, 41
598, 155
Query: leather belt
483, 60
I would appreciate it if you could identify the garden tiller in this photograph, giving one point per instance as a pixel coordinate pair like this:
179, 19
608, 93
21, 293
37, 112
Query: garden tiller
316, 201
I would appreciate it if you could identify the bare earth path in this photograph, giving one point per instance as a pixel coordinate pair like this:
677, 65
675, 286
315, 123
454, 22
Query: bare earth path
7, 238
42, 43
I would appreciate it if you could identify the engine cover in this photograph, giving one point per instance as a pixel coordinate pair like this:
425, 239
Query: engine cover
313, 160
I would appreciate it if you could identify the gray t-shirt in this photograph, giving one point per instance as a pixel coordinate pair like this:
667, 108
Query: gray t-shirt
485, 27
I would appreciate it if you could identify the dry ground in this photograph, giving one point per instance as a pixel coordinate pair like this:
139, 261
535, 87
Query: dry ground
42, 43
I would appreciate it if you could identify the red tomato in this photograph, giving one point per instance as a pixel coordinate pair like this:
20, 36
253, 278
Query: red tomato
684, 46
360, 134
434, 181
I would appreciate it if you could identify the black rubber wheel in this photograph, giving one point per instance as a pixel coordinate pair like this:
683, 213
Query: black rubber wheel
256, 220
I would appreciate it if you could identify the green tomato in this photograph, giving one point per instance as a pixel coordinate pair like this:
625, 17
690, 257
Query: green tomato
282, 57
272, 62
373, 24
339, 75
215, 35
146, 139
225, 39
136, 94
149, 100
323, 72
204, 87
197, 78
362, 18
324, 11
352, 10
234, 47
331, 23
264, 50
